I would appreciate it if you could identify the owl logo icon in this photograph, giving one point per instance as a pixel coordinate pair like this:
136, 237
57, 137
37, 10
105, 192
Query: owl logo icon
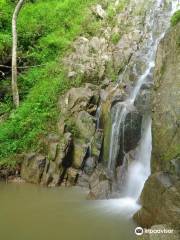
139, 231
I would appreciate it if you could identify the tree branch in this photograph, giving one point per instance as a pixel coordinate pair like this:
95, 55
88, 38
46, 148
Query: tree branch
23, 67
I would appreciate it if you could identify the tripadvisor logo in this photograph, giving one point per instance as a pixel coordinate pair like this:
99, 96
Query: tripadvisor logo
139, 231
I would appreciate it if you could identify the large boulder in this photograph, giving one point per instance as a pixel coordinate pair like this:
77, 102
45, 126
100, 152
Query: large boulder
79, 99
52, 174
86, 124
161, 201
57, 166
99, 184
96, 144
32, 167
79, 154
132, 130
128, 130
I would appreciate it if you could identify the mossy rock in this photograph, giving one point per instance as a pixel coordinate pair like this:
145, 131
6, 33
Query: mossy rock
166, 104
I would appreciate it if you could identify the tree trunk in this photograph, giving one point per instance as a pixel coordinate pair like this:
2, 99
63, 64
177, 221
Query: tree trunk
15, 91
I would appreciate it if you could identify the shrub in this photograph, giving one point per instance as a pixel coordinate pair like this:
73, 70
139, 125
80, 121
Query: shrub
175, 18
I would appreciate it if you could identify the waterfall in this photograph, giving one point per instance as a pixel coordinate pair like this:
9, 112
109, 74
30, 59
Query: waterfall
156, 24
140, 169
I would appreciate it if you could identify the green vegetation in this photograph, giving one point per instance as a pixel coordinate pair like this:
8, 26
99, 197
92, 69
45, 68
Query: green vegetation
175, 18
6, 8
46, 30
72, 127
115, 38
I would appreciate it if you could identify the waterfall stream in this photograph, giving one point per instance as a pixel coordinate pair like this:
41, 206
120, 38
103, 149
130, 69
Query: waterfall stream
156, 24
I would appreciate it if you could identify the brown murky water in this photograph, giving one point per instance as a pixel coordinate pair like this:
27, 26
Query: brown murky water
30, 212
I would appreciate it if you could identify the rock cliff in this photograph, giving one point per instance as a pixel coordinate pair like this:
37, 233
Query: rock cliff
161, 195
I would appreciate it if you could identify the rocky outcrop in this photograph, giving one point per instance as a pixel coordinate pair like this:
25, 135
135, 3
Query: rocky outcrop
79, 99
6, 173
106, 54
99, 184
33, 167
160, 198
75, 148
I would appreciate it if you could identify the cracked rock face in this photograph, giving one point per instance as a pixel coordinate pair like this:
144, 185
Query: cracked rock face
78, 99
89, 58
106, 54
63, 155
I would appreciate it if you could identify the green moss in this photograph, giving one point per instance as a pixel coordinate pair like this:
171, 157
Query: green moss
122, 4
111, 12
175, 18
166, 147
72, 127
91, 26
115, 38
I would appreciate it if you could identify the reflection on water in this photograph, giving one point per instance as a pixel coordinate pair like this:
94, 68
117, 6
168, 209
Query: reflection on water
29, 212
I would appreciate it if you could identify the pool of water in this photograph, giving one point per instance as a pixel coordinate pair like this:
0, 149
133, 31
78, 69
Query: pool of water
30, 212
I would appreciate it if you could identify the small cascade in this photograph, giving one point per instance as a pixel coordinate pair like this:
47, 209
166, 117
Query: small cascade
98, 113
156, 24
119, 118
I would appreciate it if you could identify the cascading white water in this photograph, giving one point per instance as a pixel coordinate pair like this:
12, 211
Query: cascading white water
138, 171
114, 142
98, 112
